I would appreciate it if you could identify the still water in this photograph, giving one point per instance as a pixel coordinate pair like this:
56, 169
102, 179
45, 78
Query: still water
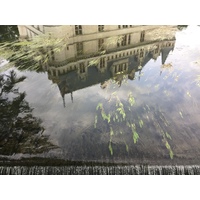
133, 103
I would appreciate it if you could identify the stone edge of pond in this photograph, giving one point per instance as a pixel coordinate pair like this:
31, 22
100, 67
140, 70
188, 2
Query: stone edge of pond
54, 162
38, 161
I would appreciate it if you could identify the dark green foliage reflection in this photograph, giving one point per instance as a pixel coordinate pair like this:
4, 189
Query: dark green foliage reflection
21, 132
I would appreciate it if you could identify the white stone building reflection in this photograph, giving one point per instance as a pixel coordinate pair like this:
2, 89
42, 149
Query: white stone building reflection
109, 50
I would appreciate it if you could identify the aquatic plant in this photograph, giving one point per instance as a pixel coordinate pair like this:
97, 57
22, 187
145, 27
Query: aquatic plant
122, 117
120, 114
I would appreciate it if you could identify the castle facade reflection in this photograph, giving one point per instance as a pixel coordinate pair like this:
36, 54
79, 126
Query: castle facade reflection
95, 53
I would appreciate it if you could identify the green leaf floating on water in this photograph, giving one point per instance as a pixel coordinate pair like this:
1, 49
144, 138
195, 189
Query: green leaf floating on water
108, 118
135, 136
110, 148
119, 109
100, 105
141, 123
95, 121
131, 99
126, 147
171, 154
167, 145
105, 117
111, 131
133, 126
168, 135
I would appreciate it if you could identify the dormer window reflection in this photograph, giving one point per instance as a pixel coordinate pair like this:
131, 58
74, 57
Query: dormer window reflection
101, 28
78, 30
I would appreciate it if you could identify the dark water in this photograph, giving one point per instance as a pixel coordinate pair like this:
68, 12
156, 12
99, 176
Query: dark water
138, 105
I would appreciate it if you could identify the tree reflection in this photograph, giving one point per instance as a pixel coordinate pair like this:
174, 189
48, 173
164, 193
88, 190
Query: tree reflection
8, 32
31, 54
20, 131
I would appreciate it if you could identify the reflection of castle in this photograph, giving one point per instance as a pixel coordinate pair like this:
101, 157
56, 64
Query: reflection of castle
94, 54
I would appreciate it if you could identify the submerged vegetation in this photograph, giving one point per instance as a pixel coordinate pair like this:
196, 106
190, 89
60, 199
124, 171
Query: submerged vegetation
120, 114
122, 117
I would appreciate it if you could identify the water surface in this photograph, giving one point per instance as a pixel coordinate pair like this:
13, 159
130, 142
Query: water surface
144, 111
